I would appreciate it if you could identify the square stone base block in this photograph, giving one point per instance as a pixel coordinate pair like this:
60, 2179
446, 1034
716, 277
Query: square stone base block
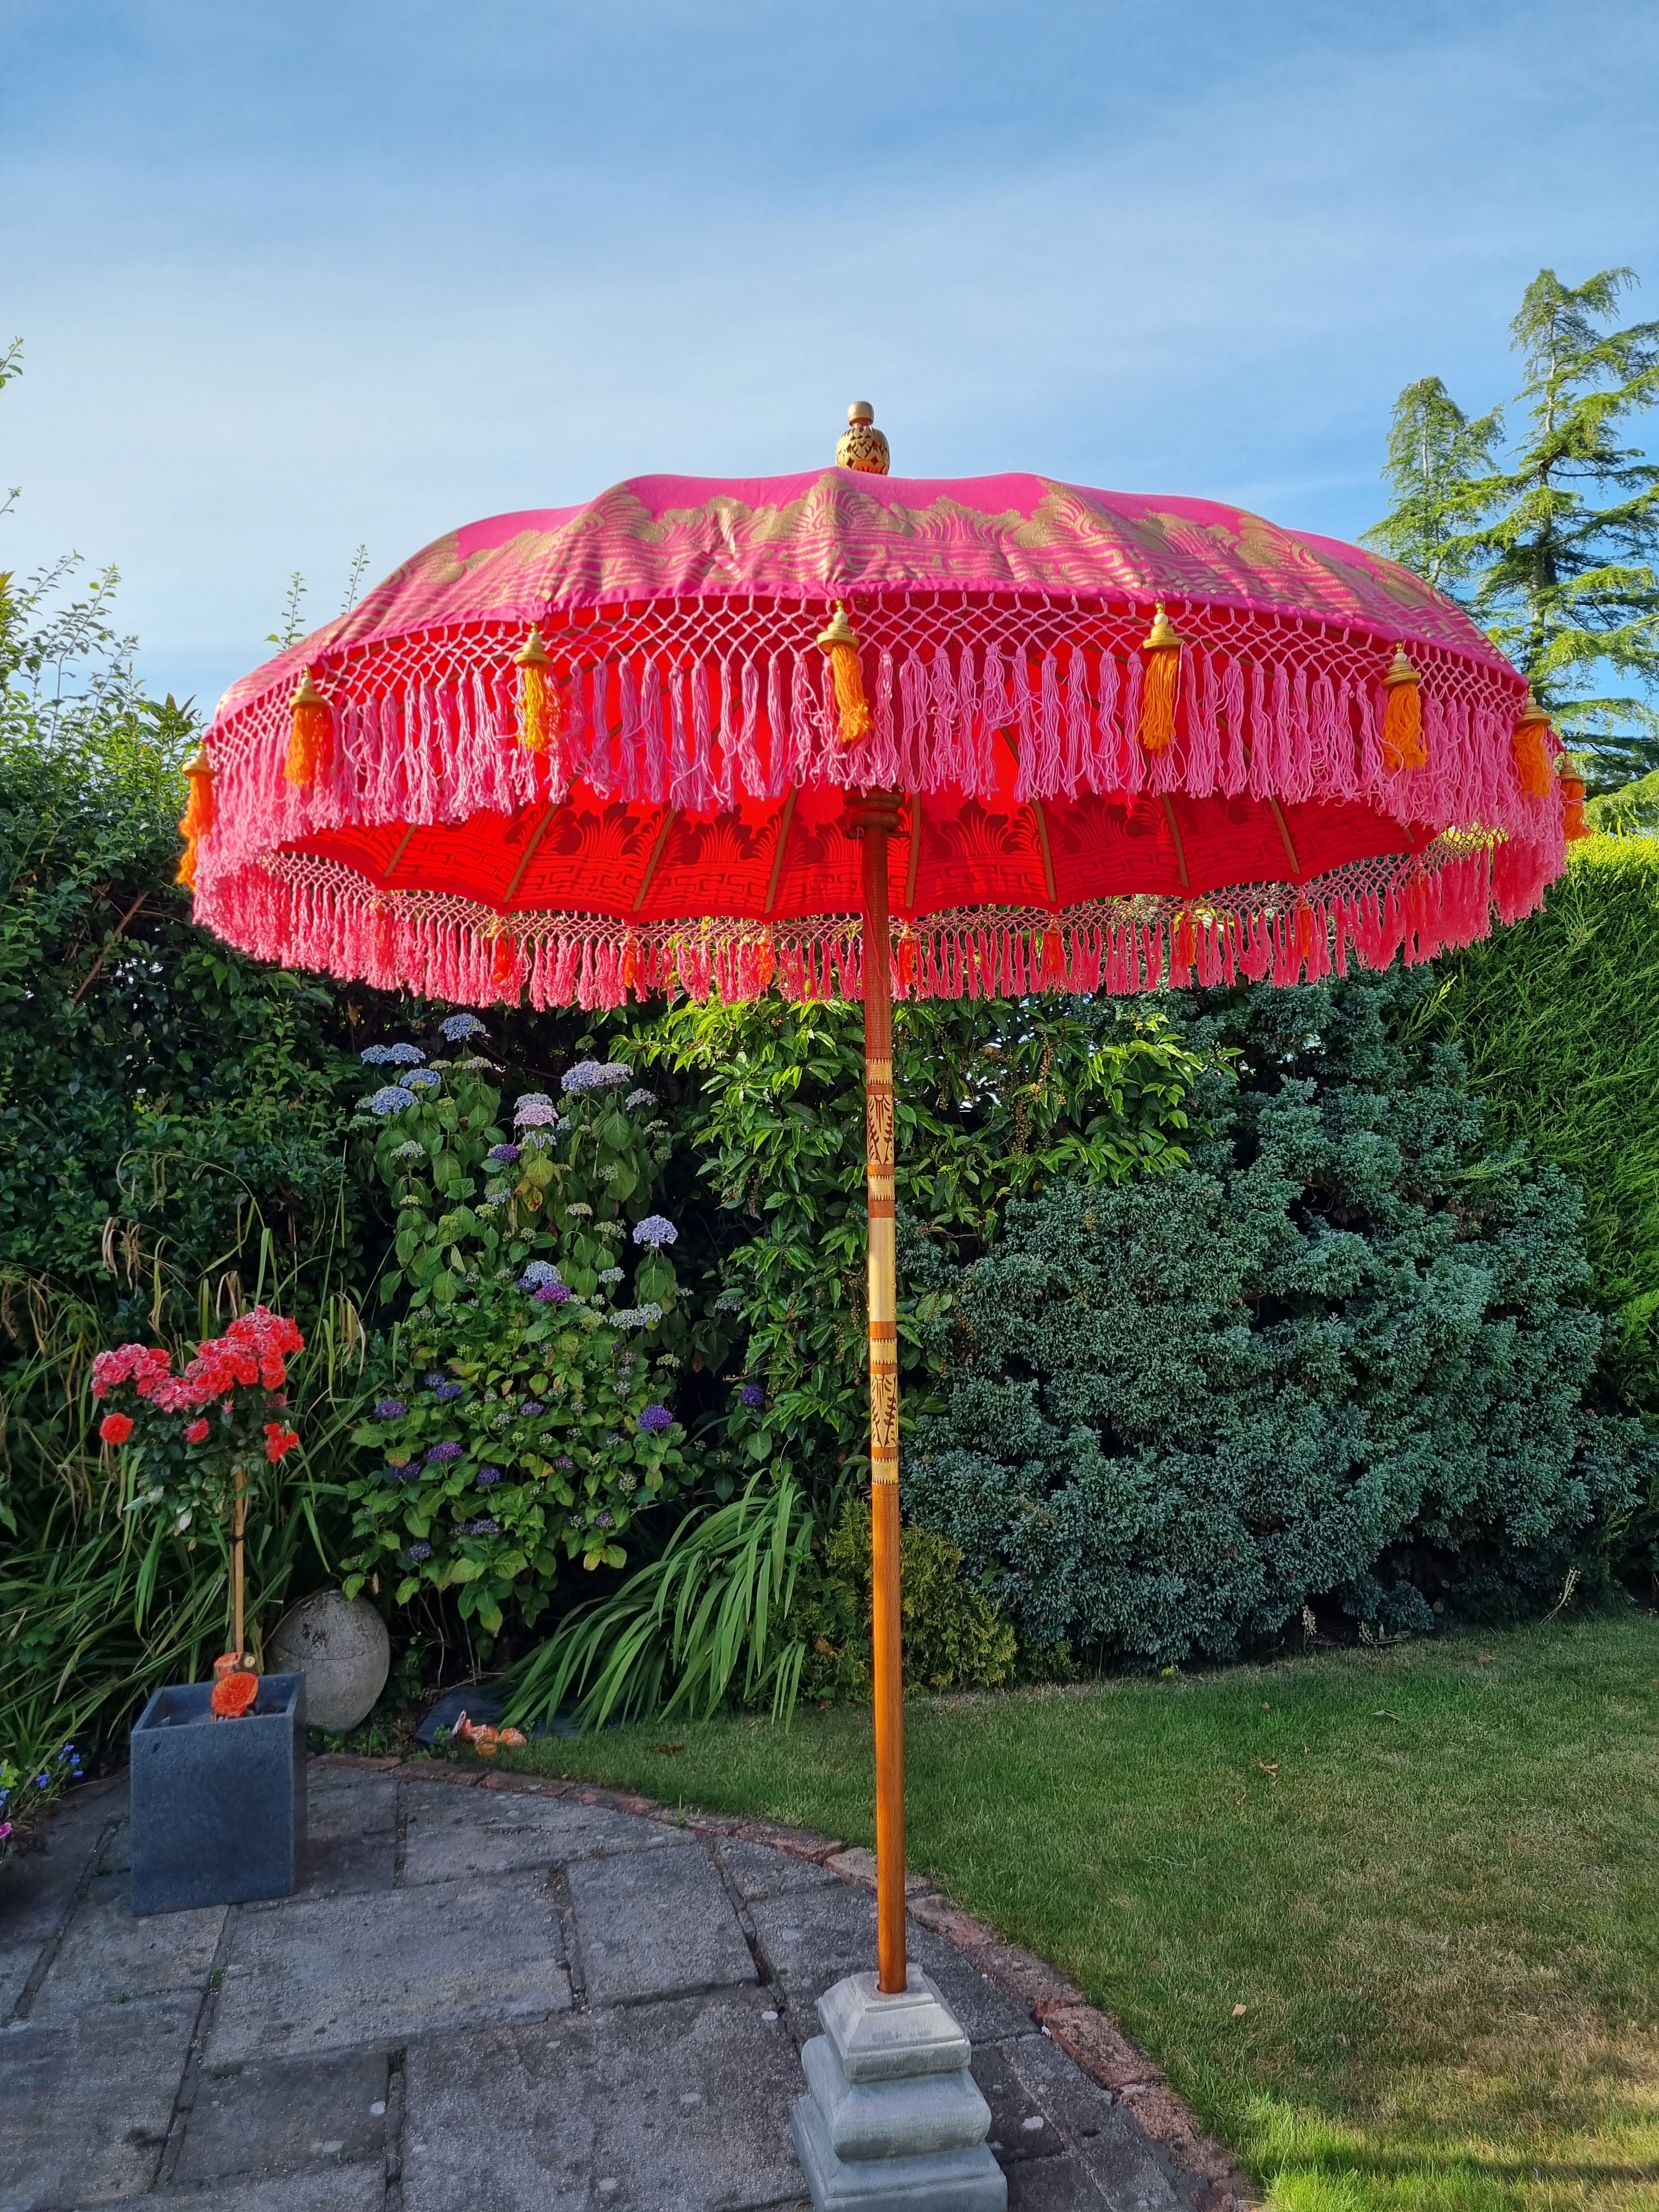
218, 1806
945, 2181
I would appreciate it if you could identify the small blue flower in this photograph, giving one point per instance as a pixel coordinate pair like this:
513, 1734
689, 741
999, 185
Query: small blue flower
638, 1098
411, 1150
392, 1055
448, 1449
655, 1231
401, 1470
607, 1520
752, 1394
389, 1409
537, 1271
416, 1553
486, 1475
530, 1409
505, 1153
610, 1274
424, 1079
654, 1420
458, 1027
564, 1460
446, 1393
390, 1098
535, 1110
481, 1527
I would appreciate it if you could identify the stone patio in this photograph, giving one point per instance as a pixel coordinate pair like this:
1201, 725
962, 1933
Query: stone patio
526, 1998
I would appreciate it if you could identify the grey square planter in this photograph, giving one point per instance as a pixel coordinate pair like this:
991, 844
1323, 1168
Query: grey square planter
218, 1806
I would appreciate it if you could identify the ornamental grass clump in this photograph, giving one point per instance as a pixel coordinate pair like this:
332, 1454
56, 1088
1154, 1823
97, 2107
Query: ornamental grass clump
194, 1447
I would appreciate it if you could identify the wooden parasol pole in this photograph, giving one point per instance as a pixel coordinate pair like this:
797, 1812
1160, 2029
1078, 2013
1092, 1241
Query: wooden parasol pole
239, 1534
875, 818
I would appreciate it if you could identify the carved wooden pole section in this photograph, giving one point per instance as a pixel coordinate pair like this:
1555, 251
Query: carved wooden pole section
874, 818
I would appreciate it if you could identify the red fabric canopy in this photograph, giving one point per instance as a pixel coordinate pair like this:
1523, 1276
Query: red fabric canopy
686, 827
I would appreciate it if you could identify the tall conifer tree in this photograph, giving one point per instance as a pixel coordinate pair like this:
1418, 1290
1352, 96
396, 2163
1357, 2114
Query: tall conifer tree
1556, 552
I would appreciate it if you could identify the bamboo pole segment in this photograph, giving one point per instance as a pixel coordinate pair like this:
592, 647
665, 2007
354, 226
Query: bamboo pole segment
874, 818
238, 1531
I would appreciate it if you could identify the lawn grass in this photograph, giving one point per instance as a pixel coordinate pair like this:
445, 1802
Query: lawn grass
1430, 1872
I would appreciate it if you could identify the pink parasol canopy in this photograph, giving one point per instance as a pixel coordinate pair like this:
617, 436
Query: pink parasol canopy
685, 824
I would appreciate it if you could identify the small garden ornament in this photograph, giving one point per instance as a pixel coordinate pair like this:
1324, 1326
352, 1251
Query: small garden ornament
854, 736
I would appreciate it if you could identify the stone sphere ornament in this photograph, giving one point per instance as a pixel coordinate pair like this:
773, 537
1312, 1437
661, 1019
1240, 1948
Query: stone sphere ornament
341, 1646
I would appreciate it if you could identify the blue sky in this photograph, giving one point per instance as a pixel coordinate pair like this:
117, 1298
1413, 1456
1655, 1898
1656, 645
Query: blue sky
293, 275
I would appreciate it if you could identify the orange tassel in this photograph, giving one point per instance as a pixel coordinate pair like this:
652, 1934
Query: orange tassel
1402, 716
542, 719
311, 737
1157, 700
851, 705
1054, 954
1532, 757
503, 966
198, 817
1573, 825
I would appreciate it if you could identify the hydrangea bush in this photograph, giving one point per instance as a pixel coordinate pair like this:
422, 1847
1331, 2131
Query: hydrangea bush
527, 1416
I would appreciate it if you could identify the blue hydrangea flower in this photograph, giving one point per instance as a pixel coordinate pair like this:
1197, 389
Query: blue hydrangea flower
447, 1392
486, 1475
610, 1274
389, 1409
607, 1520
596, 1075
541, 1140
458, 1027
507, 1153
654, 1420
481, 1527
392, 1055
411, 1150
564, 1460
448, 1449
416, 1553
534, 1110
390, 1098
530, 1408
729, 1302
401, 1470
375, 1055
581, 1210
424, 1079
752, 1394
655, 1231
436, 1377
537, 1271
638, 1098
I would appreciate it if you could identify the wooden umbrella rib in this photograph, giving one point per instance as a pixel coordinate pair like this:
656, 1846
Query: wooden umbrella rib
1284, 833
778, 852
528, 853
402, 847
656, 855
1042, 821
1180, 850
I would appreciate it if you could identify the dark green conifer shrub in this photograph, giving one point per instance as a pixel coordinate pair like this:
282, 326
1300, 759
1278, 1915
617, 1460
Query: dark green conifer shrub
1340, 1363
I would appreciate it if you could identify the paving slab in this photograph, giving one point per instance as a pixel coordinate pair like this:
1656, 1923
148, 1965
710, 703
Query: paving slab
655, 1925
17, 1962
323, 2189
757, 1870
108, 1958
351, 1835
1129, 2173
812, 1937
321, 1974
451, 1832
273, 2119
675, 2107
85, 2106
36, 1886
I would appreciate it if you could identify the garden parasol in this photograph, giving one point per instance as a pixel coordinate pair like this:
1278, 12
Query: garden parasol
1020, 735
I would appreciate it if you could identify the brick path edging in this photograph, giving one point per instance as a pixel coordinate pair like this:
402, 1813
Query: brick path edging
1091, 2037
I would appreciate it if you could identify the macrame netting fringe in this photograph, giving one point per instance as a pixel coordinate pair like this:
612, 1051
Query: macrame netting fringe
316, 914
699, 703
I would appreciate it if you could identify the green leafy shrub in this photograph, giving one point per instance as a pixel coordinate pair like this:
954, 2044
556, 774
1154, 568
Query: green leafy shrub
952, 1638
1340, 1362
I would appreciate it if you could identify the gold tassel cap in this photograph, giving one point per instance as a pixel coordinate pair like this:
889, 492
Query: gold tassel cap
540, 720
839, 640
861, 445
1162, 646
1533, 767
197, 818
311, 734
1402, 716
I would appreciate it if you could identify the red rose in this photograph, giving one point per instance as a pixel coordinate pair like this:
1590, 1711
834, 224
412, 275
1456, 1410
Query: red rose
115, 1428
197, 1432
278, 1440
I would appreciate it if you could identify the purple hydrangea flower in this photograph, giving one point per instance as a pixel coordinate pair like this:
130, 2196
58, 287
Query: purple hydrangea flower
530, 1408
507, 1153
399, 1470
486, 1475
390, 1098
655, 1231
535, 1110
655, 1419
597, 1075
752, 1394
389, 1409
416, 1553
483, 1527
458, 1027
607, 1520
564, 1460
552, 1294
447, 1392
448, 1449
